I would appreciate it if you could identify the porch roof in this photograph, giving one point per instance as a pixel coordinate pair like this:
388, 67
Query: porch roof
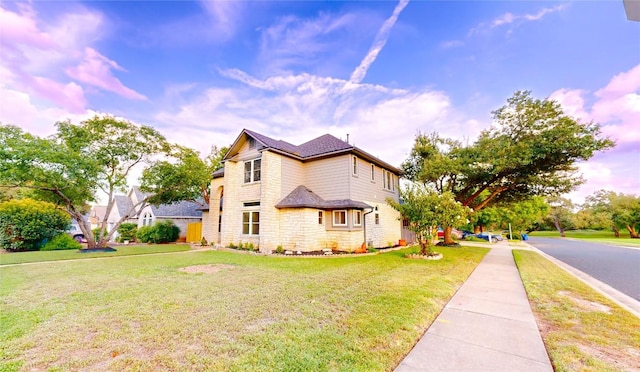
302, 197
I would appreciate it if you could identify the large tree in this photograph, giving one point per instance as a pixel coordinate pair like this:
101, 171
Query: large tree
71, 167
530, 150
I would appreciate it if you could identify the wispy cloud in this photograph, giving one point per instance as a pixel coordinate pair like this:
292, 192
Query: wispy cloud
36, 53
515, 19
296, 42
451, 44
379, 42
225, 17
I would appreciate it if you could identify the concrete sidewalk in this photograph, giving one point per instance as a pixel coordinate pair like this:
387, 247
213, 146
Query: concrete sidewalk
487, 326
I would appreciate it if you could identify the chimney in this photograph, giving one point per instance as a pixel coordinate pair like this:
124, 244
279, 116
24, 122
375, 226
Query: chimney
347, 137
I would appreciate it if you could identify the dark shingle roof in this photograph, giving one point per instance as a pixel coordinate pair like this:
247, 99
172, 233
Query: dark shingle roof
302, 197
181, 209
323, 146
124, 205
219, 173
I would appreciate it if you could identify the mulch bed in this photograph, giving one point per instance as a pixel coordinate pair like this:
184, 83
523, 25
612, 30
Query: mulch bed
92, 250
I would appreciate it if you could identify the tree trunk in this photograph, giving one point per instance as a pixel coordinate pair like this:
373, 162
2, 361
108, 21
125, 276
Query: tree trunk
632, 232
556, 221
616, 232
476, 229
448, 240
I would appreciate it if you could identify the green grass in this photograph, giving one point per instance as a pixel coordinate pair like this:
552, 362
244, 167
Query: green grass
582, 330
596, 236
124, 250
258, 313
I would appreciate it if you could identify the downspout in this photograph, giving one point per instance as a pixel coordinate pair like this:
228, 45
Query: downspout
364, 225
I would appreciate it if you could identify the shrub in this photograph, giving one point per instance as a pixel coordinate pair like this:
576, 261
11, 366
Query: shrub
61, 242
144, 234
161, 232
25, 224
127, 231
231, 245
279, 249
250, 247
203, 242
96, 233
474, 239
166, 232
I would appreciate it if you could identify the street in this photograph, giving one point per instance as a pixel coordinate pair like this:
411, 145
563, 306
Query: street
616, 266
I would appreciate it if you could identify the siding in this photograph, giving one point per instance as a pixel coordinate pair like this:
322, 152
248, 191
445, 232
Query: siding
329, 178
292, 175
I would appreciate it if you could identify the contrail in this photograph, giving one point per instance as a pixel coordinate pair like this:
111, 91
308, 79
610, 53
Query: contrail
379, 42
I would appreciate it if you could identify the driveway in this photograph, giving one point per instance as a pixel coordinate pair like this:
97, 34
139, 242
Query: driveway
616, 266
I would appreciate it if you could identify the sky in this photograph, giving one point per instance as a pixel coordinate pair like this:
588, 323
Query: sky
378, 71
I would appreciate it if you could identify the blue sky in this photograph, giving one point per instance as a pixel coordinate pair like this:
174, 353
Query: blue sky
379, 71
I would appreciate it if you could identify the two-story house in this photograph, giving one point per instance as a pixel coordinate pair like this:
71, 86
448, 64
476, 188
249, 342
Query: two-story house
323, 194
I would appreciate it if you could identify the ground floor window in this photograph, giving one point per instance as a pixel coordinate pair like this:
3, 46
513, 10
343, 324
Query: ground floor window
340, 218
320, 217
357, 218
251, 223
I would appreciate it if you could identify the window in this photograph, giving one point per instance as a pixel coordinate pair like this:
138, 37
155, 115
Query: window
377, 217
251, 204
339, 218
357, 218
355, 166
373, 172
252, 170
147, 219
320, 217
251, 223
388, 180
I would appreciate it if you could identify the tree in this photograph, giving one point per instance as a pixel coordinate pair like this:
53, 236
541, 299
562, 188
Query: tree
561, 214
626, 213
525, 214
26, 224
530, 150
426, 209
99, 154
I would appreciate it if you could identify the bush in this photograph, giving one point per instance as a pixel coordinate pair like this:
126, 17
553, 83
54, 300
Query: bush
96, 233
161, 232
61, 242
166, 232
127, 231
144, 234
26, 224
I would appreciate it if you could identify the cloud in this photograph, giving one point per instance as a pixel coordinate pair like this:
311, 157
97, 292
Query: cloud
616, 107
379, 42
515, 19
97, 70
451, 44
295, 42
53, 59
224, 17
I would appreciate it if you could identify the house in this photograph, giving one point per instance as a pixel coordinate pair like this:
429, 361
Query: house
181, 213
322, 194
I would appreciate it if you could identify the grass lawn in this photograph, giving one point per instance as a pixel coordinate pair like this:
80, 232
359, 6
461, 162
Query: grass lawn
596, 236
582, 330
244, 312
72, 254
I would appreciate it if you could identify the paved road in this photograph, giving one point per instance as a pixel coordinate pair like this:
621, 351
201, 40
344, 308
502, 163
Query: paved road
616, 266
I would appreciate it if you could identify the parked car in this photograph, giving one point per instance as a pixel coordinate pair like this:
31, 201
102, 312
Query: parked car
75, 232
466, 233
485, 236
454, 232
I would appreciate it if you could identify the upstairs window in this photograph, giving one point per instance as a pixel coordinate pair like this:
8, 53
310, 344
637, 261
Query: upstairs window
320, 217
355, 166
373, 172
252, 170
388, 180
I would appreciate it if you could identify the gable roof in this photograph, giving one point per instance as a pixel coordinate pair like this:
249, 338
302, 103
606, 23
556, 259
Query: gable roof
302, 197
123, 205
181, 209
322, 147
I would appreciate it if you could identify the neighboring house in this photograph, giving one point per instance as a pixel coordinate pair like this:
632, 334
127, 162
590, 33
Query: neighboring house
96, 215
181, 213
323, 194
